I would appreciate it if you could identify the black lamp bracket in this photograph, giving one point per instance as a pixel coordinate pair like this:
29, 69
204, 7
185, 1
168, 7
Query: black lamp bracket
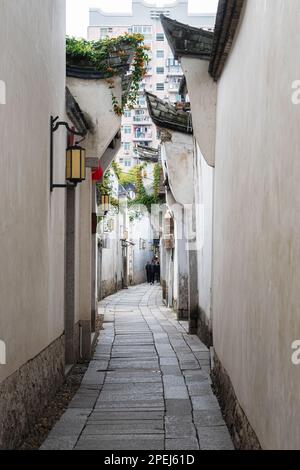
54, 125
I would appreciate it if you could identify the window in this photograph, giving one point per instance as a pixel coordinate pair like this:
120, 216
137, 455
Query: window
127, 129
143, 29
173, 63
142, 101
160, 54
146, 31
126, 145
105, 32
160, 70
160, 87
127, 162
127, 114
160, 37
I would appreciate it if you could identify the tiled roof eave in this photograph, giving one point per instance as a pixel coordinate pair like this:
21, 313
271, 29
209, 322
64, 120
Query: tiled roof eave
166, 116
75, 113
170, 125
227, 21
186, 40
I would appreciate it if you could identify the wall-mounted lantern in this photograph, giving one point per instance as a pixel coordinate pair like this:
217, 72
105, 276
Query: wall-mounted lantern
75, 164
75, 157
105, 203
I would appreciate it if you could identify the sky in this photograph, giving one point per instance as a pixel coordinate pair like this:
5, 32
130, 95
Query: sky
78, 11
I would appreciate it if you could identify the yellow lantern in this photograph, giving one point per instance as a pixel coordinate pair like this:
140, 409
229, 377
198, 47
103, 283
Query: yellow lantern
75, 164
105, 203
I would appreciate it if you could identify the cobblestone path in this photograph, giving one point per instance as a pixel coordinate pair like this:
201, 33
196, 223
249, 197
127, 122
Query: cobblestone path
147, 387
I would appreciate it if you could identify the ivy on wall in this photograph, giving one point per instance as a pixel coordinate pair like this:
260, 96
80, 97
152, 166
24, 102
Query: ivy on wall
110, 56
144, 198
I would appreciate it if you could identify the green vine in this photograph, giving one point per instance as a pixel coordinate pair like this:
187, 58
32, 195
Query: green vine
110, 56
142, 197
135, 176
156, 183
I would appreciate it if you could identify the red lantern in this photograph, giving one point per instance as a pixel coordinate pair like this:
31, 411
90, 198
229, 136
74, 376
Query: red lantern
97, 174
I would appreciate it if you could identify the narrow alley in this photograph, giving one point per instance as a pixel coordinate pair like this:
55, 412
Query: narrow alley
147, 387
149, 227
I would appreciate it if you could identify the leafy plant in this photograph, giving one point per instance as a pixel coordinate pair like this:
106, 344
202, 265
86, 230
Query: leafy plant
156, 183
110, 56
143, 198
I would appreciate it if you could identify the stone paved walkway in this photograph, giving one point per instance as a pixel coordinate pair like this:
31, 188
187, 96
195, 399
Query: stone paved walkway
147, 387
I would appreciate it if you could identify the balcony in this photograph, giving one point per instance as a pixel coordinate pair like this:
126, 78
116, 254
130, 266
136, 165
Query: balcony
143, 136
174, 70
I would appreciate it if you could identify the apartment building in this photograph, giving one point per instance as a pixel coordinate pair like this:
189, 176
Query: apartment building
164, 72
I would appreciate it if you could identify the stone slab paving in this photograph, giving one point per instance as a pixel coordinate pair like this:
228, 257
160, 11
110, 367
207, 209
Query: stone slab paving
147, 387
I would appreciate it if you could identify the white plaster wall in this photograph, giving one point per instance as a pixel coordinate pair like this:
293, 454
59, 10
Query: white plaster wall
140, 229
112, 262
95, 99
85, 248
203, 185
177, 158
257, 225
32, 222
203, 96
178, 154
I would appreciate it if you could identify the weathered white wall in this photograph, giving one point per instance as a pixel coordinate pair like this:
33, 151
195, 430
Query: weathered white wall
32, 222
85, 248
203, 96
257, 225
140, 229
112, 263
179, 160
95, 99
112, 253
203, 185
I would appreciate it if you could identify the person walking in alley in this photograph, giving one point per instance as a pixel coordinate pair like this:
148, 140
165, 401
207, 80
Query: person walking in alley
157, 271
152, 272
148, 271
